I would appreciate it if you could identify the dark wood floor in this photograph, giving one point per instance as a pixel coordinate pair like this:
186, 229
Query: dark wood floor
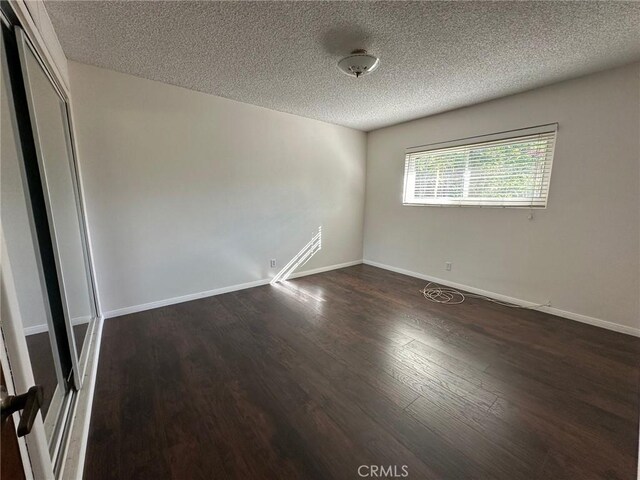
313, 378
41, 356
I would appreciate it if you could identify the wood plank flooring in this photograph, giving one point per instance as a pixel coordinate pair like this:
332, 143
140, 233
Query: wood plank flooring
318, 376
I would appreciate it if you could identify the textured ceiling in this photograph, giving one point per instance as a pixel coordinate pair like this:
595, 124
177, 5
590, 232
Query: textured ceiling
435, 56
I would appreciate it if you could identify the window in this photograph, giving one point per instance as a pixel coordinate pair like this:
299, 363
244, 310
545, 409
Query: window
510, 169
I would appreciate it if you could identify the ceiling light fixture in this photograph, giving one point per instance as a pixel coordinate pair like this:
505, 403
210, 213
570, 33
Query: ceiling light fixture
358, 64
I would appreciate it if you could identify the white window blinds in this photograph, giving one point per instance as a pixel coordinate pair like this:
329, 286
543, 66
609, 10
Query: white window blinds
510, 169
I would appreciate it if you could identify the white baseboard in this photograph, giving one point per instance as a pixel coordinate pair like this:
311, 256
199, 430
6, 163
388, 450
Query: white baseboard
304, 273
45, 328
184, 298
218, 291
36, 329
517, 301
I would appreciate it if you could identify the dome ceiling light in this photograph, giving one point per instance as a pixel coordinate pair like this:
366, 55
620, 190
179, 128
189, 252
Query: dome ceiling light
358, 64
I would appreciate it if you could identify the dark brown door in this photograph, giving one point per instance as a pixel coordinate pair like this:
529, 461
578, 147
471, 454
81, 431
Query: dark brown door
11, 467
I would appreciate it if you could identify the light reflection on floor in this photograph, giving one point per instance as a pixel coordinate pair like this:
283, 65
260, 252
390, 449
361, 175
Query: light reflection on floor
299, 292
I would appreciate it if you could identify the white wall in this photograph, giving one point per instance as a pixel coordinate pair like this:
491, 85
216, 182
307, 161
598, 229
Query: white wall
582, 253
189, 193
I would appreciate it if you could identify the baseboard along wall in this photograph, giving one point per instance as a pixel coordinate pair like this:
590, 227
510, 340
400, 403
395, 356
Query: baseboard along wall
516, 301
45, 328
219, 291
232, 288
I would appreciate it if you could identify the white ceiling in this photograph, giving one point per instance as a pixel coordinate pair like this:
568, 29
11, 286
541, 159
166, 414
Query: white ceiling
435, 56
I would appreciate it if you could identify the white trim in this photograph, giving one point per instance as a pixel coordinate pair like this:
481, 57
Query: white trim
45, 328
22, 443
17, 363
517, 301
36, 329
304, 273
486, 137
184, 298
218, 291
76, 449
43, 36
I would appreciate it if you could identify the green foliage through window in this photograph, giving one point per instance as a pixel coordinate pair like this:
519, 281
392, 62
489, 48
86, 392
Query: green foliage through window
506, 172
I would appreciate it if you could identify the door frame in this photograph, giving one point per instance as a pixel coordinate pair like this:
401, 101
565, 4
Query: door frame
34, 447
13, 348
22, 17
42, 235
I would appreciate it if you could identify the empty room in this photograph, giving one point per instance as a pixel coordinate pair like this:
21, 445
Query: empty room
320, 240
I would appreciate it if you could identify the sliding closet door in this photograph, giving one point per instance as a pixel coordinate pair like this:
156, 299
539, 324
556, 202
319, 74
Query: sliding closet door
25, 301
45, 265
52, 133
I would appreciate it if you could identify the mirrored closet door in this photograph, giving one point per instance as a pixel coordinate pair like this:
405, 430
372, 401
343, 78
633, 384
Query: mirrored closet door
54, 148
42, 219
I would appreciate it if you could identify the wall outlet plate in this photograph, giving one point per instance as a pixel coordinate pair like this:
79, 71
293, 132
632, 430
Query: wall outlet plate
273, 263
447, 266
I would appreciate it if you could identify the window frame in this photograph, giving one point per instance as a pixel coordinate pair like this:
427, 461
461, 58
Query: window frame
477, 140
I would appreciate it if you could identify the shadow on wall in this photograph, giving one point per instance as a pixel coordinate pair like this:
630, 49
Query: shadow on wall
302, 257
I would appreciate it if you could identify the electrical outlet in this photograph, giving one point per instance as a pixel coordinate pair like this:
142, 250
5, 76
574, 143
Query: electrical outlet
447, 266
273, 263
